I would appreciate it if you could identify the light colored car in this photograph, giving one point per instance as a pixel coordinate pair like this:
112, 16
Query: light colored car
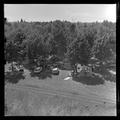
55, 71
112, 72
38, 70
19, 68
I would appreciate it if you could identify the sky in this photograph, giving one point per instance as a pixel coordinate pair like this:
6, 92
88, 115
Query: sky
69, 12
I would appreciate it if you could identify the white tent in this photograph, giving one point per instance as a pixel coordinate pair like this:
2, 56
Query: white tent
79, 67
83, 68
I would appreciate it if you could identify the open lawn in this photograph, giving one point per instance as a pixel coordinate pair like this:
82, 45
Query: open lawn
68, 97
27, 102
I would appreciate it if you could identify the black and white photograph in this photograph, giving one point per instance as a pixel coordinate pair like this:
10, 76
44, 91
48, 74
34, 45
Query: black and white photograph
60, 60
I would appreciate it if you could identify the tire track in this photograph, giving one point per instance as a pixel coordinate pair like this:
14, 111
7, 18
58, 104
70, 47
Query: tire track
74, 95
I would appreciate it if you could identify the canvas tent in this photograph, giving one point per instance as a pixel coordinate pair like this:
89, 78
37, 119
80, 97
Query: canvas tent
82, 69
79, 68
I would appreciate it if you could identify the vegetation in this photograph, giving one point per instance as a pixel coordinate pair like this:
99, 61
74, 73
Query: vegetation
77, 42
13, 77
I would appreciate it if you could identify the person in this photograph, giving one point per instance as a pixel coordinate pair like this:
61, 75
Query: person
12, 67
83, 68
70, 74
92, 68
75, 68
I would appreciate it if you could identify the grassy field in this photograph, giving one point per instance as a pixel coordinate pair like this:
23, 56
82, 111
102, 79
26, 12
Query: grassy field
29, 103
26, 102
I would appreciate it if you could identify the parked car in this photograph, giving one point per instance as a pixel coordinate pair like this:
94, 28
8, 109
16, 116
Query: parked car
55, 71
12, 68
21, 69
18, 68
38, 70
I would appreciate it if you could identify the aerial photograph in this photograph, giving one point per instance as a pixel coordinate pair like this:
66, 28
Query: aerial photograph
60, 60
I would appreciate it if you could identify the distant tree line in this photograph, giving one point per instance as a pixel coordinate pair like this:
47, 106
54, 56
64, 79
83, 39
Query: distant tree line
77, 42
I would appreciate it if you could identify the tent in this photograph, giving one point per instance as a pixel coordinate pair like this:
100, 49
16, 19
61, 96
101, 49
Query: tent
83, 70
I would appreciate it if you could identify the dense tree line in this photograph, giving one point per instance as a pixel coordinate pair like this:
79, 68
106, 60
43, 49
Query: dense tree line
77, 42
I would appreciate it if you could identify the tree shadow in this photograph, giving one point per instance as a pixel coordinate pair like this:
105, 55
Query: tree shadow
14, 77
96, 80
42, 75
45, 73
106, 74
64, 67
30, 67
89, 80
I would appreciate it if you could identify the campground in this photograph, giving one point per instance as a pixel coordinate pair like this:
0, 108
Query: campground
100, 98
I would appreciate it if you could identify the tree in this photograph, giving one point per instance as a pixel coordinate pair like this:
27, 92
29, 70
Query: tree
21, 20
13, 47
58, 42
79, 51
74, 41
10, 52
102, 48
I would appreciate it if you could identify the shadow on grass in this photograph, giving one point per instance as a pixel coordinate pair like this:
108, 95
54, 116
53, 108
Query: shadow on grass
64, 67
42, 75
89, 80
93, 79
96, 80
14, 77
106, 74
29, 67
